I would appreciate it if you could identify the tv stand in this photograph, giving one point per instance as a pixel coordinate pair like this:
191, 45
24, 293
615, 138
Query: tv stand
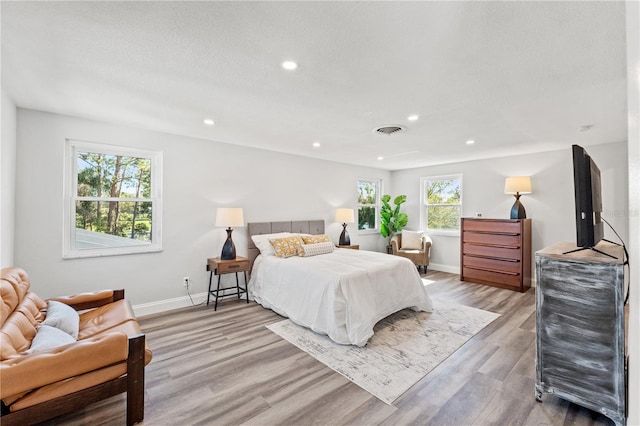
580, 327
594, 249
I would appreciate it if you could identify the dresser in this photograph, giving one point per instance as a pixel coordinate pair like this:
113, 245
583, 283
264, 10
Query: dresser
580, 327
496, 252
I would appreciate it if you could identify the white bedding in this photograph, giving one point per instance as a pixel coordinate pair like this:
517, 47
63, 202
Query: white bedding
342, 294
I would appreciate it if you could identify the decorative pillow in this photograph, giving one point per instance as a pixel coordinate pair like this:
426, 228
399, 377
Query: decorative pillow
315, 239
287, 246
62, 317
48, 337
411, 240
263, 244
307, 250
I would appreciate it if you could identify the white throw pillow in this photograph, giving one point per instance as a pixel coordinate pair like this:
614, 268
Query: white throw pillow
48, 337
411, 240
263, 244
315, 249
63, 317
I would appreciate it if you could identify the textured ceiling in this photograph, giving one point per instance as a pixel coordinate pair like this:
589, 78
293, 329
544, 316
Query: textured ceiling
517, 77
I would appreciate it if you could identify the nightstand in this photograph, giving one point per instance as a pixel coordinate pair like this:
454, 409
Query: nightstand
219, 267
353, 247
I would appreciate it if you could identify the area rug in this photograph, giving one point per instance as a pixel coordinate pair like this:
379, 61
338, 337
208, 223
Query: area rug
404, 348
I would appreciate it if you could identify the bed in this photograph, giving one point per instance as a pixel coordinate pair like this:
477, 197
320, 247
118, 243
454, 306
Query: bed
342, 294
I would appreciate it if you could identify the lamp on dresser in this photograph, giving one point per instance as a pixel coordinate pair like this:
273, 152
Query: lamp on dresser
344, 216
517, 185
229, 217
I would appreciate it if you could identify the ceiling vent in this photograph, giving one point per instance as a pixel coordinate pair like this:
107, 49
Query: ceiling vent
389, 130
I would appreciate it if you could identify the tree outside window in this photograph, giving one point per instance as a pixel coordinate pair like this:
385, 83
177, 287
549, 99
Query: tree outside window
368, 204
114, 206
442, 203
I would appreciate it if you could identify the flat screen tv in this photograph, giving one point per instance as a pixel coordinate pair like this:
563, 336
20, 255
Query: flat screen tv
588, 199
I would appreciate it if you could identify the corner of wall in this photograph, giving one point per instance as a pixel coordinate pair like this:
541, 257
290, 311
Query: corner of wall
8, 143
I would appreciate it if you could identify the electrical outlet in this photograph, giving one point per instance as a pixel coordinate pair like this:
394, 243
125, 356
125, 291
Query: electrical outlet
185, 282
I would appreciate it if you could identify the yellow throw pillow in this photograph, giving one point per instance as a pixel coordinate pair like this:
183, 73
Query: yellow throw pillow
315, 239
286, 247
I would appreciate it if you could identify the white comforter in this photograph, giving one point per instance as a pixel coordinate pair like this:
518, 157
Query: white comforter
342, 294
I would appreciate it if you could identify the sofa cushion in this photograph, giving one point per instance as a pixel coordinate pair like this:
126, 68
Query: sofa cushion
16, 335
65, 387
48, 337
13, 287
62, 317
19, 329
104, 318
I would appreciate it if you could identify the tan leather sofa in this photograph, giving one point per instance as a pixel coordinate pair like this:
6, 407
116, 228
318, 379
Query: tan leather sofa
108, 357
420, 257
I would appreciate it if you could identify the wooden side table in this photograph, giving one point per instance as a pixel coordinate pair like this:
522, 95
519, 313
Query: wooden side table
219, 267
352, 247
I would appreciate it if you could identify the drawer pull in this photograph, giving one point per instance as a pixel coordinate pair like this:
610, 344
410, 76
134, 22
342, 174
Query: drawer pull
234, 266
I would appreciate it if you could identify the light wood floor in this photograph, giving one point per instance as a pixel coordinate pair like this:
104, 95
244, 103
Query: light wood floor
227, 368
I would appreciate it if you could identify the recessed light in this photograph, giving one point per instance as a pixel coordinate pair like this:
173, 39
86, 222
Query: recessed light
208, 122
290, 65
381, 158
412, 117
316, 144
470, 142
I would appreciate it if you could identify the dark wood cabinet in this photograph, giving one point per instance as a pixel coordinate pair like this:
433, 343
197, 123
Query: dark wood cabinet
496, 252
580, 327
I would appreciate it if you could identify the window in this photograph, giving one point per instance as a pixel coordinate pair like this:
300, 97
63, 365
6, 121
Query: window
368, 204
112, 200
442, 203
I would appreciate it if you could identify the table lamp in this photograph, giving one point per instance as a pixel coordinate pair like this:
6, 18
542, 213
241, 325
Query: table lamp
229, 217
517, 185
344, 216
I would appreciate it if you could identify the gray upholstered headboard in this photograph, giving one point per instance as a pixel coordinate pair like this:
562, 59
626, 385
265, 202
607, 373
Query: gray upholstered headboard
313, 227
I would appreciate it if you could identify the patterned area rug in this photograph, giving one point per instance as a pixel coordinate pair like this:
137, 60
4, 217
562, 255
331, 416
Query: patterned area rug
404, 348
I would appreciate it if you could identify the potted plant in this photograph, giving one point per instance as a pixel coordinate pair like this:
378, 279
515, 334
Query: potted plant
392, 220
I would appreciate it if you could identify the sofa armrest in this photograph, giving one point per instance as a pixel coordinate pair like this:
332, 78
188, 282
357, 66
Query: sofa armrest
91, 300
395, 244
426, 247
32, 371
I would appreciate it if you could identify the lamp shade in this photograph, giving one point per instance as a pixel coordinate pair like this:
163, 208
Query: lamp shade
517, 185
229, 217
344, 216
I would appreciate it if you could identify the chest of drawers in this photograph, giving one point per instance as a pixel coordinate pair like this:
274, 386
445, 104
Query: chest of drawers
496, 252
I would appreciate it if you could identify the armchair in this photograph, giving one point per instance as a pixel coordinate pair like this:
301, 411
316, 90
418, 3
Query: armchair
419, 256
107, 357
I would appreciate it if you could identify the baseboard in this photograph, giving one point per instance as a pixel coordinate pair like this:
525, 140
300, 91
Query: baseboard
184, 301
168, 304
444, 268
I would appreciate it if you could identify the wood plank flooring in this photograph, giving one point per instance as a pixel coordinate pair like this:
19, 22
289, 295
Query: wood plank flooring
227, 368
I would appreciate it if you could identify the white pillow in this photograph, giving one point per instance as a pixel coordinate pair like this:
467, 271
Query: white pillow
48, 337
315, 249
62, 317
263, 244
411, 240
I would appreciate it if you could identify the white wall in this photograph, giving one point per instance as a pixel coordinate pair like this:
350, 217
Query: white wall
550, 205
199, 176
633, 106
7, 178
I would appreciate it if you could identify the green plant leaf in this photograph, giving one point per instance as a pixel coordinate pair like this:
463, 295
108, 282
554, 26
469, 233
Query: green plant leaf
399, 200
391, 219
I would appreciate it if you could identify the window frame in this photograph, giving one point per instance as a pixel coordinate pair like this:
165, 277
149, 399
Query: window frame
376, 206
424, 219
72, 147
